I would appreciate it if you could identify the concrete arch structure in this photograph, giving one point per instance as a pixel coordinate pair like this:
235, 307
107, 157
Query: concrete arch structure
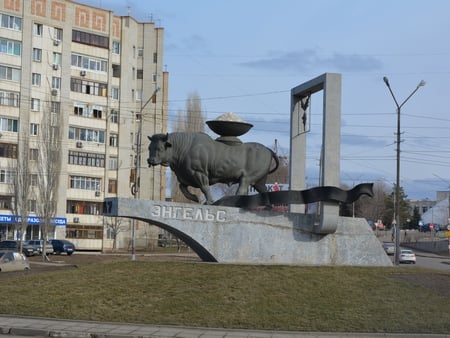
234, 235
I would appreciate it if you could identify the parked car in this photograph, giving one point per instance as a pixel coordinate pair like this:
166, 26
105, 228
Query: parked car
62, 246
36, 244
428, 227
389, 248
13, 261
407, 256
12, 245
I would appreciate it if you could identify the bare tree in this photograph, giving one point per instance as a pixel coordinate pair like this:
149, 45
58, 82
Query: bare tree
48, 170
21, 185
193, 120
116, 225
372, 208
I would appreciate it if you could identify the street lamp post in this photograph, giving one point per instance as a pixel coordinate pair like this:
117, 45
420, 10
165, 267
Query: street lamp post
135, 189
397, 187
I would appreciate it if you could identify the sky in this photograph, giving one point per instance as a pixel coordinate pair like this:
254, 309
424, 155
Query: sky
245, 56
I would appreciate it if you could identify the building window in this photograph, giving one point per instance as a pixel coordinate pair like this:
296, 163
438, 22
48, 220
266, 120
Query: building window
37, 54
84, 231
114, 140
7, 176
32, 205
35, 104
87, 159
138, 95
57, 58
80, 109
55, 107
140, 52
8, 124
112, 186
115, 93
10, 47
34, 129
90, 39
33, 154
112, 165
11, 22
154, 77
83, 207
56, 82
5, 202
9, 73
84, 134
116, 70
8, 150
36, 79
37, 29
9, 99
116, 47
155, 57
89, 63
57, 34
97, 112
88, 87
33, 180
85, 183
140, 74
114, 116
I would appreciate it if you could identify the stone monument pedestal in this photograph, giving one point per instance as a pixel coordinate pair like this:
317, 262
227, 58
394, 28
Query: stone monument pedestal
237, 236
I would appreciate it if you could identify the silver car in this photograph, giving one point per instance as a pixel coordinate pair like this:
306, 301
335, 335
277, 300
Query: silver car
36, 244
13, 261
389, 248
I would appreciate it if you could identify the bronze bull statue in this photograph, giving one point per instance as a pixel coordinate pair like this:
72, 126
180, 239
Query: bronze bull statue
199, 161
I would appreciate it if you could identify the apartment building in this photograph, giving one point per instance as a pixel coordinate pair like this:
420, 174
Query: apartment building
99, 79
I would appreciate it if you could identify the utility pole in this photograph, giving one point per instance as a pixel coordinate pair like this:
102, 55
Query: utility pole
135, 188
397, 186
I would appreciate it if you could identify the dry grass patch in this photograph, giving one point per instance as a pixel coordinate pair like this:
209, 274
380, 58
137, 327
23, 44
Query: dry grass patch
234, 296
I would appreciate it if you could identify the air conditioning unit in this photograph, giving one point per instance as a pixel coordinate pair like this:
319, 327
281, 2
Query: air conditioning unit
79, 144
54, 92
55, 66
82, 73
76, 220
97, 193
56, 42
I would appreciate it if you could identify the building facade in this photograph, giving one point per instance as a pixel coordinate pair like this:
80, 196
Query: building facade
99, 79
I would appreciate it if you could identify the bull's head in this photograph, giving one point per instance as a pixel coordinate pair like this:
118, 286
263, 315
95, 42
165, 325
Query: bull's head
159, 150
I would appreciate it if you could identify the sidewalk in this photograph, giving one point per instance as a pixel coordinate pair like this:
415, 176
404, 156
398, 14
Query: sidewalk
45, 327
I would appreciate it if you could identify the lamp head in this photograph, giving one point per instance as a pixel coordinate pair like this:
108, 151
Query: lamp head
421, 83
385, 79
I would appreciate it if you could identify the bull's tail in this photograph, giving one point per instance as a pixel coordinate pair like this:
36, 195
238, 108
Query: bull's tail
277, 161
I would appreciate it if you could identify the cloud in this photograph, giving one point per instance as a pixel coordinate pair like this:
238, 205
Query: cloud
193, 44
309, 58
362, 141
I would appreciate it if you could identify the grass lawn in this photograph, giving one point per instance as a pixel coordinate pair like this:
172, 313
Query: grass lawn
336, 299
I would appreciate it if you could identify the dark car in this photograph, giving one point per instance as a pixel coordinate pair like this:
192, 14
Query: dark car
12, 245
429, 227
62, 245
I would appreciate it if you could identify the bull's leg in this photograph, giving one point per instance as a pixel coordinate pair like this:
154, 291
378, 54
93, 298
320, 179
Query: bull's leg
260, 187
203, 183
187, 193
243, 187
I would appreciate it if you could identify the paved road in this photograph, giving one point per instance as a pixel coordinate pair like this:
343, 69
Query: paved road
43, 327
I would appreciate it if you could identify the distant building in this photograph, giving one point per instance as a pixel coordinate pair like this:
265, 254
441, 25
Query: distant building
102, 75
